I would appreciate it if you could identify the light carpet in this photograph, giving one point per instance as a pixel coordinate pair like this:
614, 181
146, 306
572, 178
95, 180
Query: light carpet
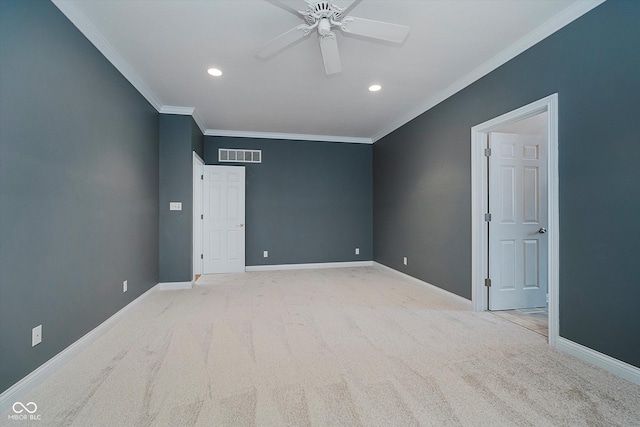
348, 347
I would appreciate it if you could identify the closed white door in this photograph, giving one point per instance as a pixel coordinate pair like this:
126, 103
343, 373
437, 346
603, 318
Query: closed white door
223, 219
517, 229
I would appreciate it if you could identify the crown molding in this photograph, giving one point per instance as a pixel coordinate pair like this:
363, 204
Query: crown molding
293, 136
184, 111
564, 18
181, 111
79, 19
86, 27
199, 121
190, 111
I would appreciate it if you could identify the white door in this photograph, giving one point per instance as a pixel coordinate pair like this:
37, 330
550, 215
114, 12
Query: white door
518, 206
198, 184
223, 221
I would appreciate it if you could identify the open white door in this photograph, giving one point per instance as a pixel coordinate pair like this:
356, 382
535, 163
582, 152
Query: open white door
517, 229
198, 171
223, 222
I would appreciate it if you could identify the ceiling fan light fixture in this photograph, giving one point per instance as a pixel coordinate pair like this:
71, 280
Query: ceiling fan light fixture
215, 72
324, 27
375, 88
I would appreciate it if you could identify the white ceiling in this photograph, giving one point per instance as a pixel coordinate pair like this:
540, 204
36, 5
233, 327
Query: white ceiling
165, 48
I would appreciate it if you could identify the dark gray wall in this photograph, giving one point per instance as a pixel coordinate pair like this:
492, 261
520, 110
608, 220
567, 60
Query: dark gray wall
307, 202
179, 137
422, 198
78, 187
197, 140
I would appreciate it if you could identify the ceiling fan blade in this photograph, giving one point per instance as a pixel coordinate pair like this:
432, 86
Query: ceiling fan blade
282, 41
330, 54
374, 29
278, 3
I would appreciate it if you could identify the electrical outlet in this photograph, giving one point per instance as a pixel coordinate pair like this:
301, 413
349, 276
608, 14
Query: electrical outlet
405, 260
175, 206
36, 335
265, 254
357, 251
125, 285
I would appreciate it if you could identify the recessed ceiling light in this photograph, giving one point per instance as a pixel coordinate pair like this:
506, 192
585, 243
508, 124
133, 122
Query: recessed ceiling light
214, 72
374, 88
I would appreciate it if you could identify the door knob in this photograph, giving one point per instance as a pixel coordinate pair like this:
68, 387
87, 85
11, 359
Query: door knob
542, 230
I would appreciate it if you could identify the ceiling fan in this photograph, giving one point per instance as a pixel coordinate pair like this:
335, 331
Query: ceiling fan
325, 16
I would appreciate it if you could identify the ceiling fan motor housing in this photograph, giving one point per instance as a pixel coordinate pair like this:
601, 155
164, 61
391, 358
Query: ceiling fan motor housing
319, 10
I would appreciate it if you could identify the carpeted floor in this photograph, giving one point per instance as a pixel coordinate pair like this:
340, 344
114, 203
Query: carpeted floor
348, 347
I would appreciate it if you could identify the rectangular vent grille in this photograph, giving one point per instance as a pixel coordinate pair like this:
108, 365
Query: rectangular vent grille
239, 156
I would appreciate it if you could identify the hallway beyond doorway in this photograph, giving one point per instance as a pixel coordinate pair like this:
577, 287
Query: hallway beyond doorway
534, 319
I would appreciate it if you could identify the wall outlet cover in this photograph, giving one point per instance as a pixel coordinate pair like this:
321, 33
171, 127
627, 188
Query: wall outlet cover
265, 254
125, 286
405, 260
175, 206
357, 251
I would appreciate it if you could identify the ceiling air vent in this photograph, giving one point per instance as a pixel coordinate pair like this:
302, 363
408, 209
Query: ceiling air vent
233, 155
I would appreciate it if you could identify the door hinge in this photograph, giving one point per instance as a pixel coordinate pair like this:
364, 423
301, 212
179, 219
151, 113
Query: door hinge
487, 282
201, 177
487, 217
487, 152
201, 256
201, 216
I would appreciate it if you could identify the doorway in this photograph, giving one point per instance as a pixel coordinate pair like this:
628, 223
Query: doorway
198, 182
542, 231
223, 221
517, 220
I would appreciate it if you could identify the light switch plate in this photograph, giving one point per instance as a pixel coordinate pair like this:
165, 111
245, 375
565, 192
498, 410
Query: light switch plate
36, 335
175, 206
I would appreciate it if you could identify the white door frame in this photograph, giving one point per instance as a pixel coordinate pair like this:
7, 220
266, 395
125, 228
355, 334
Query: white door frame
479, 180
198, 165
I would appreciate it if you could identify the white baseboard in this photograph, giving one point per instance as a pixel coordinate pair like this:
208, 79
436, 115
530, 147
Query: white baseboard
617, 367
174, 286
20, 389
449, 295
608, 363
308, 266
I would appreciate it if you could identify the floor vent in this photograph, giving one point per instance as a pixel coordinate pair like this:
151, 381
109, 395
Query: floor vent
227, 155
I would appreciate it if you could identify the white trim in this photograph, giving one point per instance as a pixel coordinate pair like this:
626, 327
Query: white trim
479, 206
571, 13
196, 226
564, 18
174, 286
296, 136
184, 111
86, 27
197, 156
199, 121
20, 389
442, 292
608, 363
308, 266
181, 111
